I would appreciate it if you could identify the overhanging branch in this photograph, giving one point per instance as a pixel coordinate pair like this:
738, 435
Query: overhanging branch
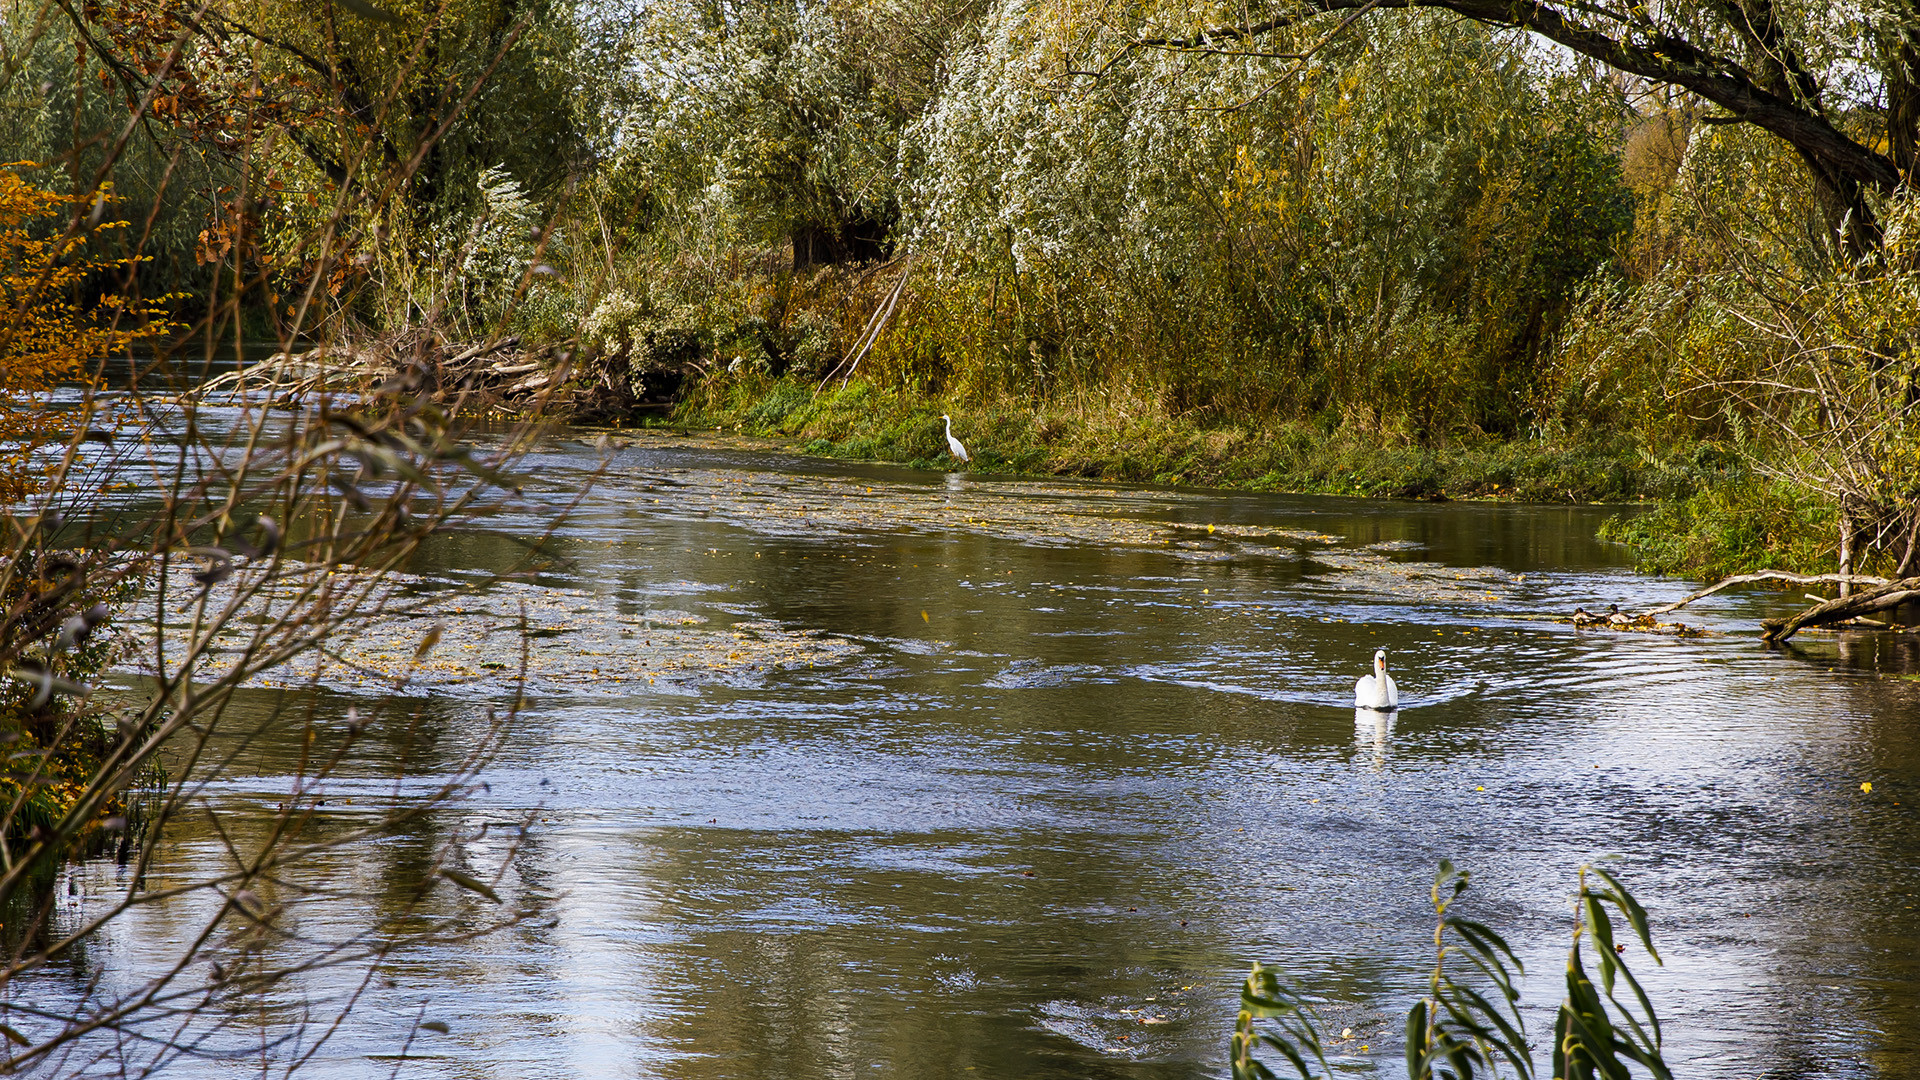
1792, 113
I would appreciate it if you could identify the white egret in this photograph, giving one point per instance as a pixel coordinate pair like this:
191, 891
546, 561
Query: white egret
1376, 691
953, 444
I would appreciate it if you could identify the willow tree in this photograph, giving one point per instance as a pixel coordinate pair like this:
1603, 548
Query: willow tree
1802, 350
1392, 230
326, 145
439, 89
781, 120
1839, 85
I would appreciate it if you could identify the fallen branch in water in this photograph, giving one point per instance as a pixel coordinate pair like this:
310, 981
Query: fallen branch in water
1888, 595
1770, 575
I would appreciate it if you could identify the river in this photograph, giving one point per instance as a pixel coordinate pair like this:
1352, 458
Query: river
1083, 753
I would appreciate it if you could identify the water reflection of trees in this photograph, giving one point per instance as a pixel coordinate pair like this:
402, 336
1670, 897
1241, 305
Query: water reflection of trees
336, 884
1888, 655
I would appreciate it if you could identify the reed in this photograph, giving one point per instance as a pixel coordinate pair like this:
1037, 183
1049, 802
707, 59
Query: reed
1468, 1023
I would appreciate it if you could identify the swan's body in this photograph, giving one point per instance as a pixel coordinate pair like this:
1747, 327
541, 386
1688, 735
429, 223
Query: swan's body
1376, 691
953, 444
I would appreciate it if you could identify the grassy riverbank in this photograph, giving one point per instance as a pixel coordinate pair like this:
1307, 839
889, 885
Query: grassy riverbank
1712, 516
1117, 437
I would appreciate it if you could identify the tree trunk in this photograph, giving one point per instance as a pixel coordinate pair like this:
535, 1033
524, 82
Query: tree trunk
1879, 598
1903, 110
1907, 563
1846, 551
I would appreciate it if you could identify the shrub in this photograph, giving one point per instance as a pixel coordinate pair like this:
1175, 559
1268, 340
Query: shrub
49, 265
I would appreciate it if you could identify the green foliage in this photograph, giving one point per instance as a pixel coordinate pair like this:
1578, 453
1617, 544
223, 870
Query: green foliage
1395, 231
1457, 1028
365, 96
1128, 436
1267, 996
1595, 1036
1422, 261
1799, 368
168, 195
1471, 1026
793, 135
1398, 225
1740, 524
459, 200
467, 268
273, 132
1415, 258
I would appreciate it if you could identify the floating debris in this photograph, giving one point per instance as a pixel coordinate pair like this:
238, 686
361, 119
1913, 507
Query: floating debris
1372, 571
1039, 513
410, 634
1023, 511
1620, 622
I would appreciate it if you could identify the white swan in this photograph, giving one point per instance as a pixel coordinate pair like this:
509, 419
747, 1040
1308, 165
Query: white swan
953, 444
1376, 691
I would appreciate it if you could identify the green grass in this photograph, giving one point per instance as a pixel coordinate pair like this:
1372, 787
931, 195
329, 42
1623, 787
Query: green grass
1713, 517
1117, 438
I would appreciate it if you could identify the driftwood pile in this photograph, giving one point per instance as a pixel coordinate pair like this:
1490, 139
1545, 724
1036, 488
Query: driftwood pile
495, 373
1643, 623
1879, 594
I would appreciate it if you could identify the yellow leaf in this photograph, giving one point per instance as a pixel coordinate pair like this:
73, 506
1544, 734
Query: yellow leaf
427, 642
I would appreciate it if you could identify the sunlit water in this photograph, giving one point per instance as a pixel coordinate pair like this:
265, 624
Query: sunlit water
1068, 789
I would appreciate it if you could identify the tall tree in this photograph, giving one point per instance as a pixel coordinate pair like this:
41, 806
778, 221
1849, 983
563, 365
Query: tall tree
784, 118
1841, 86
436, 90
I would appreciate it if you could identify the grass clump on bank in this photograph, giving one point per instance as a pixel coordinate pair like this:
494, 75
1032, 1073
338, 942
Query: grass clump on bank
1744, 524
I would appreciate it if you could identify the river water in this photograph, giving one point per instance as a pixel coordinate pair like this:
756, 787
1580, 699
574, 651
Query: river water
1082, 760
